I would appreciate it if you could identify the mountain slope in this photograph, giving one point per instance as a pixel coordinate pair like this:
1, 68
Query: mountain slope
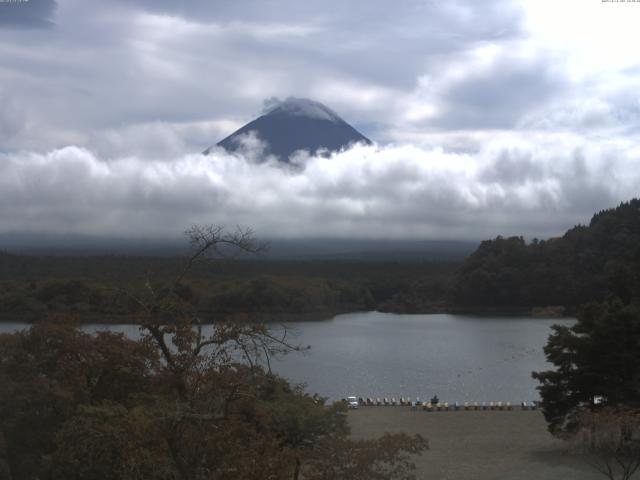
587, 263
296, 124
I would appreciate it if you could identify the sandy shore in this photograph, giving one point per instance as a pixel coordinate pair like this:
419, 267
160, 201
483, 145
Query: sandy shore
478, 445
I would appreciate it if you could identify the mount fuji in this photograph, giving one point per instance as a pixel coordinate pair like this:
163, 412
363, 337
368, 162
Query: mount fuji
292, 125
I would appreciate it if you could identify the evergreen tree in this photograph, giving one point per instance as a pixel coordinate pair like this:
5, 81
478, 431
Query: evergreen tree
597, 364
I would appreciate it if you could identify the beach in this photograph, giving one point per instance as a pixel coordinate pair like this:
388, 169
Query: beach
477, 445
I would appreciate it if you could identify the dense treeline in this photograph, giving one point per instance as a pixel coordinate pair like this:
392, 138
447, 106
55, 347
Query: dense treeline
260, 295
588, 263
31, 287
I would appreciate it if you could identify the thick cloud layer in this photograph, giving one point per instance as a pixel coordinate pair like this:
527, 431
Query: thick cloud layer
512, 186
512, 116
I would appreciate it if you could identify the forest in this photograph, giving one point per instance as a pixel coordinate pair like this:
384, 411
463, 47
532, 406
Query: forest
588, 263
32, 286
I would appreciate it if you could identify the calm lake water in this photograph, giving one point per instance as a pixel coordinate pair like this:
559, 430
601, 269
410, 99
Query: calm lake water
459, 358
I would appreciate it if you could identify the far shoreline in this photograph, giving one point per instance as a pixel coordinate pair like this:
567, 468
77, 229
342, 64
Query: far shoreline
284, 318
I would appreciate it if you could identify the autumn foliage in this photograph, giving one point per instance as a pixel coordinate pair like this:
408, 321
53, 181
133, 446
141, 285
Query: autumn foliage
178, 403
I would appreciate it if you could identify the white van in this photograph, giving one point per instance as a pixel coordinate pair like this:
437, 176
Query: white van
352, 402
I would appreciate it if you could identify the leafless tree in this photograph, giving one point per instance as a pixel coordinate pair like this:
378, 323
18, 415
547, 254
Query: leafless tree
174, 325
610, 440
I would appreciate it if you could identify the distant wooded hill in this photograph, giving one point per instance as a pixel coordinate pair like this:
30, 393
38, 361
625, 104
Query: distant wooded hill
588, 263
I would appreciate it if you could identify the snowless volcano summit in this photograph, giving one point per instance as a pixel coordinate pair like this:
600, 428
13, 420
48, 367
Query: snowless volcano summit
295, 124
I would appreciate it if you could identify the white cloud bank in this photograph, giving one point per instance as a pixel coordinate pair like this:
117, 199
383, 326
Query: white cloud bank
512, 185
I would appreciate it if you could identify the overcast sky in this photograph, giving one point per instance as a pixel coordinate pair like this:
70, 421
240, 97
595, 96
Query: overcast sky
489, 118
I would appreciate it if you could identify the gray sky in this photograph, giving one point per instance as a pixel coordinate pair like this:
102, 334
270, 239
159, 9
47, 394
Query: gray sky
489, 118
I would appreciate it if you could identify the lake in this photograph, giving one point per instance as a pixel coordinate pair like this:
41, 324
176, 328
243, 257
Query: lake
459, 358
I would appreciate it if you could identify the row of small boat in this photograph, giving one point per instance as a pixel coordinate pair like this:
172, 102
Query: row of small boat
444, 406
